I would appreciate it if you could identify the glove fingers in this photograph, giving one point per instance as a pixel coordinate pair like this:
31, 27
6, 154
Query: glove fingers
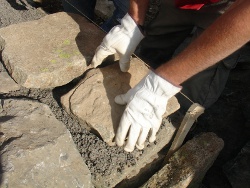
122, 129
100, 55
121, 99
134, 133
142, 138
124, 63
152, 136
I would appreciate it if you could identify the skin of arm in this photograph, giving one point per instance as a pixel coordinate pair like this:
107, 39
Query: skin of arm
226, 35
137, 10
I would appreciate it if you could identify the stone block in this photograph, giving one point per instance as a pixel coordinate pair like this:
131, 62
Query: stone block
188, 165
51, 51
37, 150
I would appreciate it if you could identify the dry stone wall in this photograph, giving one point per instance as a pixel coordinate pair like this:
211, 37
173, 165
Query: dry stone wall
48, 60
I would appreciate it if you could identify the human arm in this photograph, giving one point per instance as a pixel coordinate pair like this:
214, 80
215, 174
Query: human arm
137, 10
227, 34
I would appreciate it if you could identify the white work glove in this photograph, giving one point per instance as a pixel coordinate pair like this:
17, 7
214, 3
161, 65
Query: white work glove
146, 104
122, 39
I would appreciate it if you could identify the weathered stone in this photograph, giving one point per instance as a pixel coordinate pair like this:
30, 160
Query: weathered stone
7, 84
37, 150
49, 52
187, 167
92, 100
238, 170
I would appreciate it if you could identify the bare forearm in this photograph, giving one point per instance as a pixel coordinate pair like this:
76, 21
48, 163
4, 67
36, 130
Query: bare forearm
223, 37
138, 9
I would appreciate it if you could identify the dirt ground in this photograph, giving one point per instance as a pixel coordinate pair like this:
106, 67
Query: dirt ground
229, 117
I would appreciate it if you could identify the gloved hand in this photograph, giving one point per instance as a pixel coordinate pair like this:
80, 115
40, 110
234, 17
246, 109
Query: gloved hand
146, 104
122, 39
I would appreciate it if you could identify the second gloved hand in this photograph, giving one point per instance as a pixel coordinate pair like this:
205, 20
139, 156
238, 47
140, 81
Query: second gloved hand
146, 104
122, 39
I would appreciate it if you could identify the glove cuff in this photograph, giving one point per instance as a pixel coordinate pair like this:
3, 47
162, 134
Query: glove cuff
160, 86
129, 24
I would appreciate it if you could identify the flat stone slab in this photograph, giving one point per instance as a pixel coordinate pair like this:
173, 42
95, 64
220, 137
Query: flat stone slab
92, 100
37, 150
188, 165
51, 51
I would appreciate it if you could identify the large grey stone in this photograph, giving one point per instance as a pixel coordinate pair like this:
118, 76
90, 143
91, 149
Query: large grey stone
92, 100
37, 150
49, 52
187, 167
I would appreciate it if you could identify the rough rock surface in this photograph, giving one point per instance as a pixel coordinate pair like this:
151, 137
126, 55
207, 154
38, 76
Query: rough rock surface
37, 150
60, 46
92, 100
187, 167
13, 12
7, 84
